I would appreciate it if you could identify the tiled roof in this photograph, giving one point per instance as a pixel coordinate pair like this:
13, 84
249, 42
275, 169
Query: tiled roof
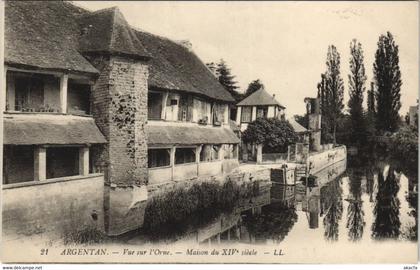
260, 97
38, 129
107, 31
173, 66
298, 128
56, 35
44, 35
158, 135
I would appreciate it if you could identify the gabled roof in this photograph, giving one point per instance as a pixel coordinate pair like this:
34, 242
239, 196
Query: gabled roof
44, 35
298, 128
173, 66
57, 35
260, 97
107, 31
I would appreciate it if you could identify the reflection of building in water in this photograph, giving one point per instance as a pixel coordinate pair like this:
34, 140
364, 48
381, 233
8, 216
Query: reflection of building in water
271, 222
316, 201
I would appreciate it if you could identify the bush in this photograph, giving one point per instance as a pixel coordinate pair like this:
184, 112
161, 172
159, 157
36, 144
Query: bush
404, 147
87, 235
206, 200
272, 133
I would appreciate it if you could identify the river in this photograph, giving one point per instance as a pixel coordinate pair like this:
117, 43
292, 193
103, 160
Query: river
352, 205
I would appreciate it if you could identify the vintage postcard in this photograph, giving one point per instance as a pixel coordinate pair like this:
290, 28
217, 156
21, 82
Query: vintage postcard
209, 132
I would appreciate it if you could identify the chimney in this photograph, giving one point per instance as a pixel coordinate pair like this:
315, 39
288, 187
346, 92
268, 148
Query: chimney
186, 43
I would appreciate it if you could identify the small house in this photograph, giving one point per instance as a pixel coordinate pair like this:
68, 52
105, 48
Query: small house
259, 104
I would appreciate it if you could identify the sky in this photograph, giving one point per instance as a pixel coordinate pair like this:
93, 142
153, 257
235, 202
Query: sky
284, 44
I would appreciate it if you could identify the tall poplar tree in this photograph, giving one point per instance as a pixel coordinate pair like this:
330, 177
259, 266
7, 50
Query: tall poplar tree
388, 83
357, 79
331, 92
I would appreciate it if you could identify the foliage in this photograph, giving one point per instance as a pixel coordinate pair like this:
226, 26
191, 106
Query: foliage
302, 120
206, 200
404, 147
225, 77
272, 133
387, 77
331, 92
357, 78
253, 86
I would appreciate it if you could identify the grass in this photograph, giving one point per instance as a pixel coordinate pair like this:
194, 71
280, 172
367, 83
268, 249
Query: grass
86, 235
204, 201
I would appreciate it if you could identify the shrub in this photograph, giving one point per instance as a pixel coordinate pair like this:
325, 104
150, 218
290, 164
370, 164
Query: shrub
87, 235
273, 133
206, 200
404, 147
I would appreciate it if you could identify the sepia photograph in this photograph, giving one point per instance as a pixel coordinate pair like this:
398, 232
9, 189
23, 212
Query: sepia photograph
234, 132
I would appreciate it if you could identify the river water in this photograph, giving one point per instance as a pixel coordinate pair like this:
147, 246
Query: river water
350, 205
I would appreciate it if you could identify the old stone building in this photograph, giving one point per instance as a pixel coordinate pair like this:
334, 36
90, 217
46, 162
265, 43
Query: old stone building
96, 112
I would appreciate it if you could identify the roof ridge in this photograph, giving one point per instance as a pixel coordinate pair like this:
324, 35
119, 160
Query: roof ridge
73, 3
148, 33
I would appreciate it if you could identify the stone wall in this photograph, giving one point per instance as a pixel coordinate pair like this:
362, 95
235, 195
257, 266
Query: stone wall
119, 106
52, 207
320, 160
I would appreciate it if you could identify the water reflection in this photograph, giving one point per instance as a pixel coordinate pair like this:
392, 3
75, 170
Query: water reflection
274, 222
387, 207
353, 204
332, 205
355, 214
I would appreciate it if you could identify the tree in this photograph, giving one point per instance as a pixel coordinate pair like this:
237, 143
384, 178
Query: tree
388, 82
331, 92
357, 79
371, 111
253, 86
274, 134
227, 80
326, 136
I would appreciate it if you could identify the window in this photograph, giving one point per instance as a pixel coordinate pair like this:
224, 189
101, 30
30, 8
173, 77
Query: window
185, 108
246, 114
62, 161
29, 92
18, 164
184, 155
209, 153
78, 98
172, 107
262, 111
203, 109
158, 158
219, 113
154, 105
